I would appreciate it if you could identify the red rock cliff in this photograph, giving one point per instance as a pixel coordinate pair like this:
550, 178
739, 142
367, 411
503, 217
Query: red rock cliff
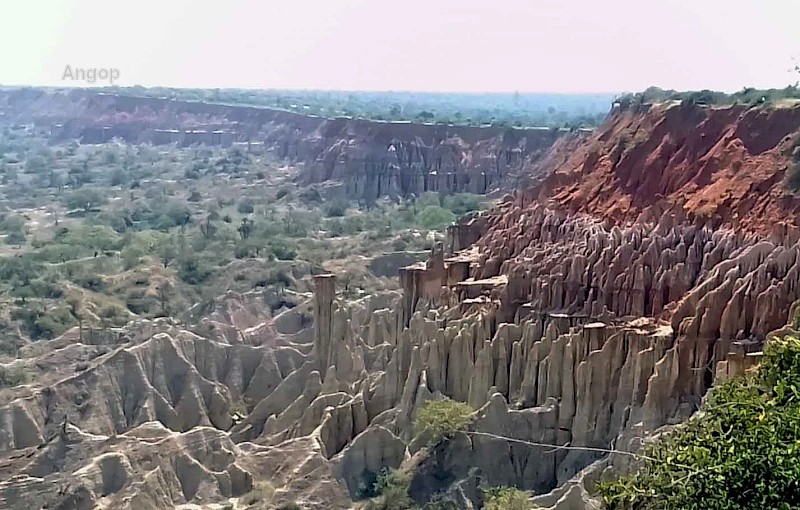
727, 165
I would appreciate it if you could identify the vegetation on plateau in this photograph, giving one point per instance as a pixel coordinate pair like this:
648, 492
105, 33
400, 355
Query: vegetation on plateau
747, 96
740, 452
513, 109
99, 235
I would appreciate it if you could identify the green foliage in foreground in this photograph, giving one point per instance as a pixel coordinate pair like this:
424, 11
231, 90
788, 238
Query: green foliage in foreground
741, 452
506, 498
440, 419
391, 491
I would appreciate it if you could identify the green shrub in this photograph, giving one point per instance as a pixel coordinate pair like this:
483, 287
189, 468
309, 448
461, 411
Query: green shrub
506, 498
336, 209
15, 237
13, 376
434, 217
192, 270
392, 492
47, 324
441, 419
462, 203
245, 207
282, 249
741, 452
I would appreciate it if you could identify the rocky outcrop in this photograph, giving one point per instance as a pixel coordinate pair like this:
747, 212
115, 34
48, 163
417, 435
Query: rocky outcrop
727, 165
567, 335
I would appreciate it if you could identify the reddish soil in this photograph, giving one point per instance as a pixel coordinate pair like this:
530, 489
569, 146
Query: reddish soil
727, 165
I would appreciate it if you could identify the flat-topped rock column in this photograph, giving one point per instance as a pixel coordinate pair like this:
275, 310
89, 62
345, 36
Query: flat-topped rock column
324, 293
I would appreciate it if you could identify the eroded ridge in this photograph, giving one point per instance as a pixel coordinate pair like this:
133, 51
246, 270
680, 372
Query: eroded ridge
556, 329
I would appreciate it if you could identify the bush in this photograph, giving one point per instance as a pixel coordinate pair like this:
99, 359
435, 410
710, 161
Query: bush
336, 209
139, 302
462, 203
12, 376
282, 249
740, 452
392, 492
506, 498
192, 271
86, 199
45, 324
16, 237
434, 217
442, 419
89, 281
245, 207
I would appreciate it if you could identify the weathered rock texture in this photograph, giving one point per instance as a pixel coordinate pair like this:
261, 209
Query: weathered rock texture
372, 159
559, 329
725, 164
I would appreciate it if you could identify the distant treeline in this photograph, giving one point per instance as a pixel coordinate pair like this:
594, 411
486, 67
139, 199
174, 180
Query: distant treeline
747, 95
516, 109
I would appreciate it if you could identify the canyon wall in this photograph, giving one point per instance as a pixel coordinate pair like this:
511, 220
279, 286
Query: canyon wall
571, 322
371, 158
725, 165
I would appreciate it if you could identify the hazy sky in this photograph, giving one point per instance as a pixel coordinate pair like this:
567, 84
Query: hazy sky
432, 45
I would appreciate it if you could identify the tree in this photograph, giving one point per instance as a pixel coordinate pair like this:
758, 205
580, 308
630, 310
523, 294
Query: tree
167, 253
425, 116
119, 177
208, 229
245, 229
434, 217
441, 419
86, 199
245, 207
165, 293
76, 310
22, 290
36, 164
740, 452
16, 237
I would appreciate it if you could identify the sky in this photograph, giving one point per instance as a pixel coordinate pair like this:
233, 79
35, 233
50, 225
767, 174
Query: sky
408, 45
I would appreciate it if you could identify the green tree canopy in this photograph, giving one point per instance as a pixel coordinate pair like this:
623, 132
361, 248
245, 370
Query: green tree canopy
741, 452
84, 198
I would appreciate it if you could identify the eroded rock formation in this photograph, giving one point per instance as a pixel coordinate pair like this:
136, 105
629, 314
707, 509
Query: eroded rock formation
568, 333
371, 159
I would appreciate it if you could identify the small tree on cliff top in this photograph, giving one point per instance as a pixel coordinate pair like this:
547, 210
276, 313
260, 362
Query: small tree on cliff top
440, 419
741, 452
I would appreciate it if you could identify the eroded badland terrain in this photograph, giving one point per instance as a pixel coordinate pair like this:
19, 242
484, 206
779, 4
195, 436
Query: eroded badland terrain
229, 307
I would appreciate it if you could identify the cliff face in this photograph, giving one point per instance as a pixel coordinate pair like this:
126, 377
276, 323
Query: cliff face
588, 322
372, 159
726, 165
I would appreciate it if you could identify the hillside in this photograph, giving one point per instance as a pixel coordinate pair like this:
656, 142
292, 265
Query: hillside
304, 336
370, 158
735, 166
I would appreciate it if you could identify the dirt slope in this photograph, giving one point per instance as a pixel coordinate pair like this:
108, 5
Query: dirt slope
724, 164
